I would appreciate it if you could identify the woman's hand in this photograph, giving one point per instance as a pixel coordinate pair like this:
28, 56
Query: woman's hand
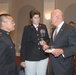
42, 42
22, 64
45, 46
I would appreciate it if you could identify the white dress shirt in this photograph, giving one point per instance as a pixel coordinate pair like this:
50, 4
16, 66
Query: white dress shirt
36, 26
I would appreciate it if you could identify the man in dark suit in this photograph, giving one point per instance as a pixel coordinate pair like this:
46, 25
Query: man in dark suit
63, 40
7, 49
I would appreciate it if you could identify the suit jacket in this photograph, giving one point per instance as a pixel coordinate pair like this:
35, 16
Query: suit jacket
66, 40
7, 54
30, 48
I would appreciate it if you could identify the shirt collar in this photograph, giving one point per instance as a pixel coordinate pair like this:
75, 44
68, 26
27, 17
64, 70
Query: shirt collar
35, 25
60, 25
5, 32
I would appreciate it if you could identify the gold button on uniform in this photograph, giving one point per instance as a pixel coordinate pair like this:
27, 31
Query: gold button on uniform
38, 39
39, 48
38, 43
11, 47
37, 34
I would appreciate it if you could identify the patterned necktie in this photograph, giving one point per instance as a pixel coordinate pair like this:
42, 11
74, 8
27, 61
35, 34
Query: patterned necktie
55, 33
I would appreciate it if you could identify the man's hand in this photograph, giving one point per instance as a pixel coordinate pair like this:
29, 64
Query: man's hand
57, 52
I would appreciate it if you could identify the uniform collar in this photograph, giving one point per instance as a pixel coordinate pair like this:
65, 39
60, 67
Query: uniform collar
4, 32
35, 25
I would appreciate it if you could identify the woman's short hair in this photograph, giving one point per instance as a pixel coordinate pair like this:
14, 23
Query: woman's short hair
34, 12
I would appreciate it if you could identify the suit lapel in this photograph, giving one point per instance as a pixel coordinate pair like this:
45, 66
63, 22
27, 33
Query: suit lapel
60, 32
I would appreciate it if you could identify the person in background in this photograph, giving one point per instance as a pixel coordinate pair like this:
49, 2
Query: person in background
63, 40
33, 58
7, 49
72, 24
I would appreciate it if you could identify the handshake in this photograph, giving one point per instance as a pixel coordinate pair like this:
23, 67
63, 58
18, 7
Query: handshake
44, 45
50, 49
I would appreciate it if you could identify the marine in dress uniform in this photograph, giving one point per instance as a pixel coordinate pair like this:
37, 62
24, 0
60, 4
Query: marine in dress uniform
33, 58
31, 48
7, 54
7, 47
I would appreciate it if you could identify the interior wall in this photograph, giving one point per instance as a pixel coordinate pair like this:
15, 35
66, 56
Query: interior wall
20, 11
68, 7
23, 20
18, 8
3, 1
4, 6
49, 5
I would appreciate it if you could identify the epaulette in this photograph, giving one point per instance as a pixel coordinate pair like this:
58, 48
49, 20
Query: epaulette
0, 33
